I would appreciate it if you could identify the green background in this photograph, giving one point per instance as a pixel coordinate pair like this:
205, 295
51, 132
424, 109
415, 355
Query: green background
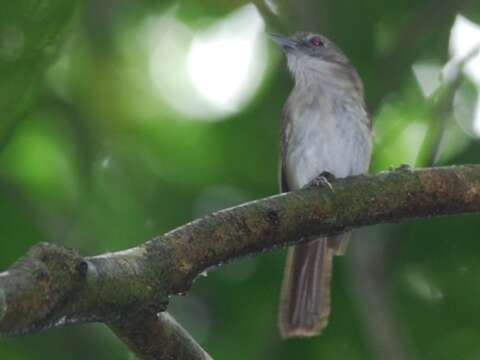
87, 161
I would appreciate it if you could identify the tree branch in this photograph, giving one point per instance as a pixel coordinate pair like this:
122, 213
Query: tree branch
154, 337
53, 286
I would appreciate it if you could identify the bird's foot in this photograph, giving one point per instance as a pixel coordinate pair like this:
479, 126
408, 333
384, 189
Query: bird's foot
322, 180
404, 167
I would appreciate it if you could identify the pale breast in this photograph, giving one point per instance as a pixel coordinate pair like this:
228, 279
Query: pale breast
327, 135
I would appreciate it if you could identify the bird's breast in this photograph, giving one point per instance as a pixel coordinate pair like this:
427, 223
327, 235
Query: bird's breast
326, 135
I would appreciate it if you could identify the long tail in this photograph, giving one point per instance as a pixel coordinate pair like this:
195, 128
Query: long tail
305, 296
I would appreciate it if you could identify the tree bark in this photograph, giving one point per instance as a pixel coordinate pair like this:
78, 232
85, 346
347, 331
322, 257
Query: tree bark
54, 286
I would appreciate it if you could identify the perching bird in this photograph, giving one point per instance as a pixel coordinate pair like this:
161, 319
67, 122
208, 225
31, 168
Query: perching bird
325, 129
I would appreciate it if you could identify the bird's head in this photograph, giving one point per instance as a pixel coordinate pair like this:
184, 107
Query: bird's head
313, 57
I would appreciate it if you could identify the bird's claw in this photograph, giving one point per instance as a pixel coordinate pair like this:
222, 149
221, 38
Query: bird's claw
322, 180
404, 167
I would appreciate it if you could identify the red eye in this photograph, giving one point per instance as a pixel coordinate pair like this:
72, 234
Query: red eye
316, 41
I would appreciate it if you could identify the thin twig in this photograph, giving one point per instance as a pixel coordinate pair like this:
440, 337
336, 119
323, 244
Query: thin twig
441, 112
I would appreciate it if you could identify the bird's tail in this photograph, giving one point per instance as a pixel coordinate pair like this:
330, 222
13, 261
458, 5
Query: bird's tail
305, 296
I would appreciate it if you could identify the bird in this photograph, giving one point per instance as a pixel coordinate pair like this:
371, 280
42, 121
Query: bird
326, 132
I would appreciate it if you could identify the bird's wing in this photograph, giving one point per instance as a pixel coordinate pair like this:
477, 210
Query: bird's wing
284, 136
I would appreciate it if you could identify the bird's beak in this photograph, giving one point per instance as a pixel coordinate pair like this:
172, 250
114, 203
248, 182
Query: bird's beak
283, 41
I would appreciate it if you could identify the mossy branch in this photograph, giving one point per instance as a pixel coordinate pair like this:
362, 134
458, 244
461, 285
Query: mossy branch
53, 286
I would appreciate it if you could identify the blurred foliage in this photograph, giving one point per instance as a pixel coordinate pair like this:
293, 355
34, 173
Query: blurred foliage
92, 157
30, 33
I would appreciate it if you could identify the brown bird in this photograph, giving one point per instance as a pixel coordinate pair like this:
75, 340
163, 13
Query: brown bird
325, 130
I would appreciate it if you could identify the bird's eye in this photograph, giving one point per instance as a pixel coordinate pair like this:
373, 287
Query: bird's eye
317, 41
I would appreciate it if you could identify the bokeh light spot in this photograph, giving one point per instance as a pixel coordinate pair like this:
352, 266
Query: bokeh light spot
465, 38
210, 74
428, 77
223, 63
420, 285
